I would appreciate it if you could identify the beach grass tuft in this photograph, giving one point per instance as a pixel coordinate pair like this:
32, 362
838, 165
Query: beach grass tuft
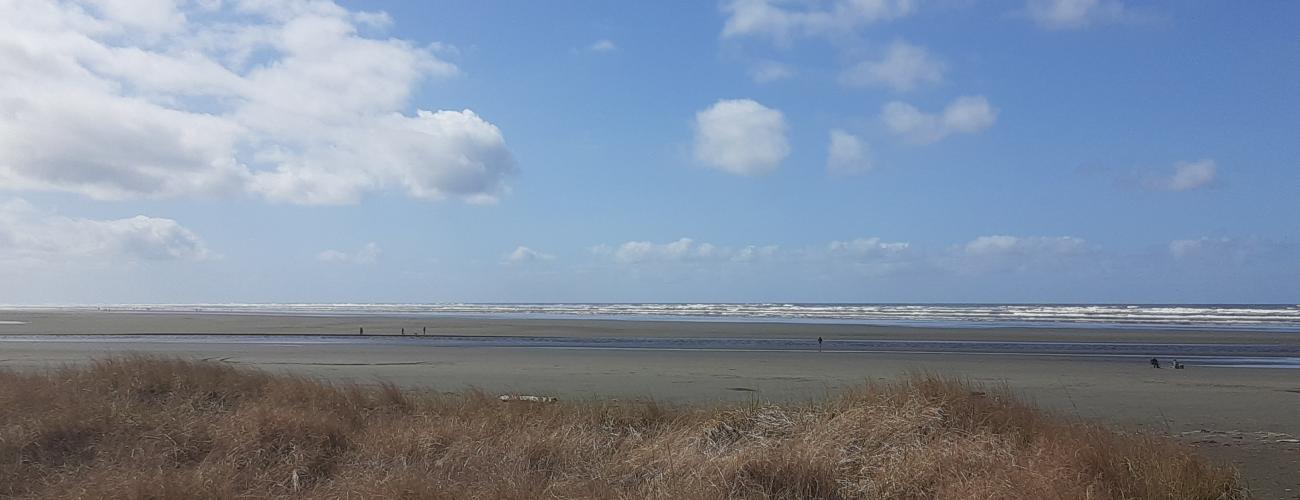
142, 427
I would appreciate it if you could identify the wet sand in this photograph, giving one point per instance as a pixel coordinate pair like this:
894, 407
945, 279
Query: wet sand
1242, 415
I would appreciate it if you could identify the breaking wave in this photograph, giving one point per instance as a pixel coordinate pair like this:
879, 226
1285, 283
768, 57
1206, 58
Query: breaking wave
1253, 317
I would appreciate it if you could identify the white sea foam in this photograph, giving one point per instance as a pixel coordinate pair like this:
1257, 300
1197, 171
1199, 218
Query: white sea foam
1266, 317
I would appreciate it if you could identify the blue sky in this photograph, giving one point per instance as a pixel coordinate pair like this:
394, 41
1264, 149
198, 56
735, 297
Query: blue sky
802, 150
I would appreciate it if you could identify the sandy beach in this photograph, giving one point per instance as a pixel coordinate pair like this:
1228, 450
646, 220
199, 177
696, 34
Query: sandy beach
1248, 416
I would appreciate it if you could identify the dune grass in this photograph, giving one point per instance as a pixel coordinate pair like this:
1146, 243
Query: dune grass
141, 427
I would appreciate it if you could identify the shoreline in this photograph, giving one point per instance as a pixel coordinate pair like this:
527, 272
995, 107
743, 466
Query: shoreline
182, 323
563, 313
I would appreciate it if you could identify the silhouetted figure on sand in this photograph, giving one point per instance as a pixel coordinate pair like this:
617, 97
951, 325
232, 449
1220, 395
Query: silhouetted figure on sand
819, 344
361, 331
1155, 363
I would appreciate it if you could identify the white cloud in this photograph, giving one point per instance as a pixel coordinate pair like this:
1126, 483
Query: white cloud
524, 255
904, 67
782, 21
769, 71
873, 256
333, 256
140, 100
1181, 249
1013, 245
752, 253
368, 254
1071, 14
866, 247
1001, 253
30, 234
682, 250
602, 45
146, 16
644, 251
1025, 257
741, 137
1221, 250
1185, 177
847, 154
965, 115
1213, 258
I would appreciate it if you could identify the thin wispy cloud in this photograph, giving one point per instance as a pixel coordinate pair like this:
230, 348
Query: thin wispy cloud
847, 154
784, 21
524, 255
770, 71
873, 256
1223, 251
964, 115
1022, 254
367, 254
1185, 176
903, 67
683, 250
602, 46
1073, 14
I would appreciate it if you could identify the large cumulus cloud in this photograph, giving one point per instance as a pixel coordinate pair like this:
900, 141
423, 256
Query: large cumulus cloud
293, 101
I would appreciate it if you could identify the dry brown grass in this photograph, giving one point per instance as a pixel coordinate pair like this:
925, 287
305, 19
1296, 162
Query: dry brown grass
154, 428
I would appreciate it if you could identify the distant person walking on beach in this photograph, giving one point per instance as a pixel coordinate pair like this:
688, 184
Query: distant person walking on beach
1155, 363
819, 344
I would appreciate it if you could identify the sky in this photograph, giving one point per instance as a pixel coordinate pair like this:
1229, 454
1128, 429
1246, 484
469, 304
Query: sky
214, 151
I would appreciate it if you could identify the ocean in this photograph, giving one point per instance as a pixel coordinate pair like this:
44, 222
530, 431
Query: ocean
1255, 317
